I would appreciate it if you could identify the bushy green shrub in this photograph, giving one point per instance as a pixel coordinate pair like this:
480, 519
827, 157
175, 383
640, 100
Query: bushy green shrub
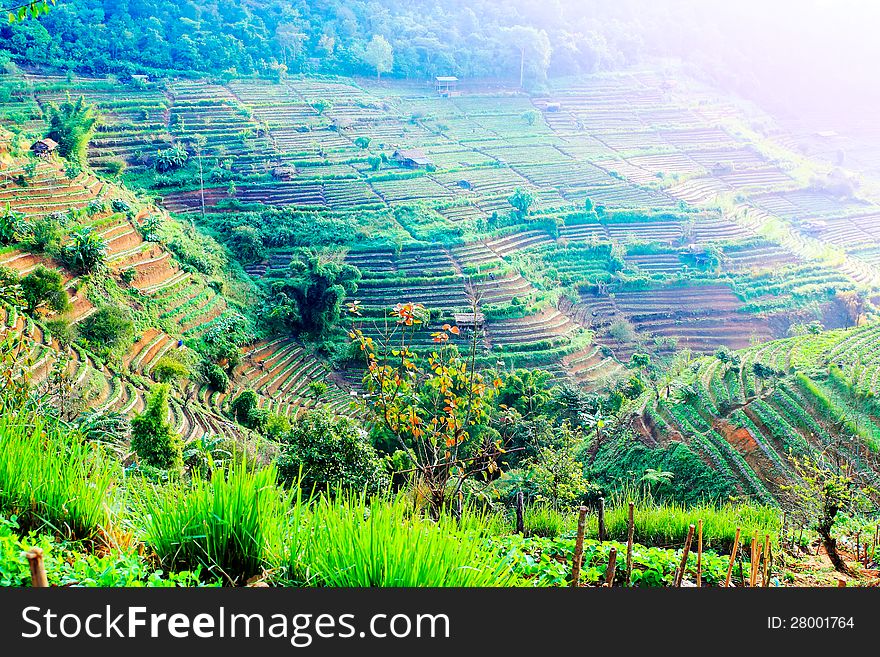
169, 370
44, 288
107, 328
216, 378
242, 405
330, 452
152, 436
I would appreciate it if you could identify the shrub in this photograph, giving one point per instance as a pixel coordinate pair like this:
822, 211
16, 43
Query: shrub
86, 251
242, 405
246, 243
152, 437
120, 205
330, 452
216, 378
107, 328
62, 330
168, 370
115, 166
43, 234
44, 288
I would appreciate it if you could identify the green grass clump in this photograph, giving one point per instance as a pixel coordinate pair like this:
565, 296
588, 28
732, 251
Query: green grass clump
232, 525
51, 479
544, 521
666, 525
355, 542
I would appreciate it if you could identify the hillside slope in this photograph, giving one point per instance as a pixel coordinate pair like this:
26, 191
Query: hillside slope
171, 303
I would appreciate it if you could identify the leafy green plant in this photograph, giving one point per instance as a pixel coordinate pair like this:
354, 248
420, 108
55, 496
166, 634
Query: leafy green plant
152, 437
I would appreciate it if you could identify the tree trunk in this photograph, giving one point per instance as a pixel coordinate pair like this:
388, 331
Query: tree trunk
522, 67
830, 543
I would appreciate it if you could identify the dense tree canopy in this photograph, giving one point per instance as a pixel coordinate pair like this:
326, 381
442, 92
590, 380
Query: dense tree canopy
310, 299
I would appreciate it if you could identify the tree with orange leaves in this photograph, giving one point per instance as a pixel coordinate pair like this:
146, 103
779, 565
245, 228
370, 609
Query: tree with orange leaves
435, 406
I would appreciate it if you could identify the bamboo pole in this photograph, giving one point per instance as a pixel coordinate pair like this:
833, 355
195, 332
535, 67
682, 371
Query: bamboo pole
601, 519
782, 531
630, 532
765, 577
858, 544
684, 556
756, 561
578, 547
700, 553
612, 566
732, 558
38, 569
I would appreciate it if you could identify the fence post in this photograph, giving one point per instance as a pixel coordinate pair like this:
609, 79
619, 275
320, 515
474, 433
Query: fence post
684, 557
601, 519
612, 566
38, 569
630, 531
578, 547
520, 523
732, 558
699, 553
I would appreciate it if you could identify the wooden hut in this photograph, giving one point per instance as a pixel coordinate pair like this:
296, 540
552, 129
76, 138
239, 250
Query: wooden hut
44, 147
413, 158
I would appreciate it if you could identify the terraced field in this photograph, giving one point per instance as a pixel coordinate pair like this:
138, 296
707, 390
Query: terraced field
746, 427
174, 305
659, 221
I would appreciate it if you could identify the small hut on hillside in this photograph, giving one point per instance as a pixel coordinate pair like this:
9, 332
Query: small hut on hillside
44, 147
471, 321
413, 158
446, 85
286, 172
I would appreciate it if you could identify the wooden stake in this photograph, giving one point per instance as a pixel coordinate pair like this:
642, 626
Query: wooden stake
630, 532
858, 544
756, 560
732, 558
38, 569
612, 566
684, 556
601, 519
520, 523
699, 553
765, 577
782, 532
752, 559
578, 547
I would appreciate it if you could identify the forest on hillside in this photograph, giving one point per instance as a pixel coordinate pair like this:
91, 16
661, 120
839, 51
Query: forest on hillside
771, 60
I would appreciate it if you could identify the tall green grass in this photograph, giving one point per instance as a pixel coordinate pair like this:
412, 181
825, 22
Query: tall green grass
545, 521
51, 479
232, 525
666, 525
354, 542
